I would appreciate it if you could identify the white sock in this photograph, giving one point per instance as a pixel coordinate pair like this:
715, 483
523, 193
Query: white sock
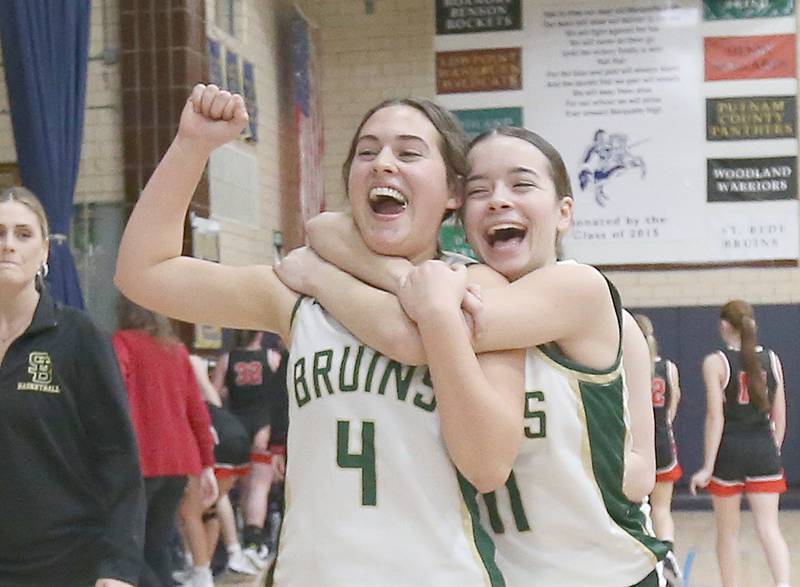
782, 585
202, 569
234, 549
201, 576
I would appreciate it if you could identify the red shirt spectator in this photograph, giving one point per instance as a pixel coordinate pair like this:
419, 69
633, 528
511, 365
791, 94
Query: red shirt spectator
171, 420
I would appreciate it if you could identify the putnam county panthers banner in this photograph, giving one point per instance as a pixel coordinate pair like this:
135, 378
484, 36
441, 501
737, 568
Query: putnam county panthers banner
677, 122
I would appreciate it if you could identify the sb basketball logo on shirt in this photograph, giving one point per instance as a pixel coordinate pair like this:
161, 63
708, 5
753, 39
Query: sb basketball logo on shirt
41, 369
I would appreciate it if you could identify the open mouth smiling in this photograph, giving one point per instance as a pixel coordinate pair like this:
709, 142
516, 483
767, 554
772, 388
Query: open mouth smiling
387, 201
505, 234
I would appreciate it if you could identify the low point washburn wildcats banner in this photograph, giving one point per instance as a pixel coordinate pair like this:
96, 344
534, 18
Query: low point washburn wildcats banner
677, 120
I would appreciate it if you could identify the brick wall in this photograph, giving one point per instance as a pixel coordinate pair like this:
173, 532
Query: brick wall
709, 287
365, 59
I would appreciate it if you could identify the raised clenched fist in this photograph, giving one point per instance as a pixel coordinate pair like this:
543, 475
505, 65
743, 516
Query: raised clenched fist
212, 117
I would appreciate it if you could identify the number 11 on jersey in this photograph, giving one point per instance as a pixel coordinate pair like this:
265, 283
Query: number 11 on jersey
365, 460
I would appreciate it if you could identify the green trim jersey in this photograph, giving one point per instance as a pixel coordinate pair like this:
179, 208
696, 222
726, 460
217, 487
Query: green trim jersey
562, 520
372, 497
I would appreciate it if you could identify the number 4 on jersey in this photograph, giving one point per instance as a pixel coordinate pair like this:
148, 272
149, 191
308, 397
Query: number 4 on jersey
365, 460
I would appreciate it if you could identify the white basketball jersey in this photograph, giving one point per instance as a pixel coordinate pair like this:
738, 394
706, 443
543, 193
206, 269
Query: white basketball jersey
562, 519
372, 498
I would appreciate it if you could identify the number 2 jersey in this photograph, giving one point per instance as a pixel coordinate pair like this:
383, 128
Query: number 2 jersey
667, 467
562, 520
372, 498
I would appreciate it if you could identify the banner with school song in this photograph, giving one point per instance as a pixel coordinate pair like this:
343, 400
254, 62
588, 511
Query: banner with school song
677, 121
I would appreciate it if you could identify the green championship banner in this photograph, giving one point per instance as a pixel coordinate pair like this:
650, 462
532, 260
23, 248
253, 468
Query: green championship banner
738, 9
480, 120
453, 239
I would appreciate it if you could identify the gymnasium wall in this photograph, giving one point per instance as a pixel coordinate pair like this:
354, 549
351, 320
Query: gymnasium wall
365, 58
368, 57
390, 52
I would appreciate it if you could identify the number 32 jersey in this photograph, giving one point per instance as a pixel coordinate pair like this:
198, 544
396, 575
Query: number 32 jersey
372, 497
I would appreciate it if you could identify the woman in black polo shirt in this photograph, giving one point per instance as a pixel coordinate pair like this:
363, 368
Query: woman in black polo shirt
71, 493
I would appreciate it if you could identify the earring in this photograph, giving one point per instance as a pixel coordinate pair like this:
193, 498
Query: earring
43, 270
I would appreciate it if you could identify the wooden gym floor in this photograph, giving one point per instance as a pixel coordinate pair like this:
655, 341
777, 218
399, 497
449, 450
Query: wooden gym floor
694, 538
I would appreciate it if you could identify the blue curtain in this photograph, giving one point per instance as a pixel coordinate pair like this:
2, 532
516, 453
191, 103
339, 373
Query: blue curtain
45, 51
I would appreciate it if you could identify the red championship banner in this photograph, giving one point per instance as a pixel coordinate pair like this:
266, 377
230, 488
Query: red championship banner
759, 57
